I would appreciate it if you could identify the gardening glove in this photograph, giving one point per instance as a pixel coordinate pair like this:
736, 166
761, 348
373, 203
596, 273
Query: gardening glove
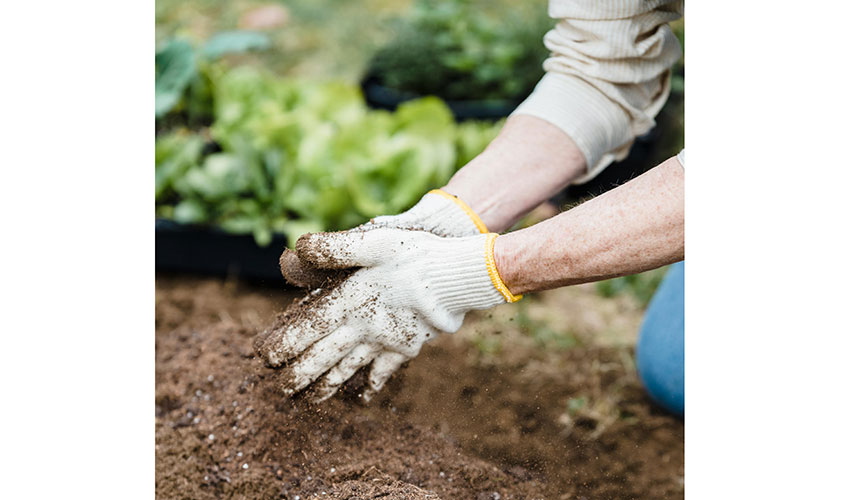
437, 212
410, 285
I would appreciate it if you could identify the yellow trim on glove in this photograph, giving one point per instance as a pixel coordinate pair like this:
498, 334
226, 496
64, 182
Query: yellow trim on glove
463, 206
494, 273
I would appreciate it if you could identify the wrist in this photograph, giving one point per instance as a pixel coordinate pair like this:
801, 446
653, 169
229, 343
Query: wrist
508, 264
484, 195
459, 214
529, 162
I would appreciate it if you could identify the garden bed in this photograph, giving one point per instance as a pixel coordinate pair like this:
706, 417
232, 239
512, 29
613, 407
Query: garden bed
212, 252
490, 412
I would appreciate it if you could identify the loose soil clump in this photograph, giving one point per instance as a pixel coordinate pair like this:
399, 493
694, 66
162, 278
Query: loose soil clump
448, 426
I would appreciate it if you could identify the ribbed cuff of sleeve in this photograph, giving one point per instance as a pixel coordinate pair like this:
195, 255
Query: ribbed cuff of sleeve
599, 127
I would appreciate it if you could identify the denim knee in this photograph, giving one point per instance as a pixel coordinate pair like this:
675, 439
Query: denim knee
661, 343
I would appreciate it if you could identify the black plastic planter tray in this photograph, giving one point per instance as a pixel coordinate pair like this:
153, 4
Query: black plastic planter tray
380, 97
213, 252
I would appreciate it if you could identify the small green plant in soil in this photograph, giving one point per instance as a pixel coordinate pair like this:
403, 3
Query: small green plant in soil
454, 50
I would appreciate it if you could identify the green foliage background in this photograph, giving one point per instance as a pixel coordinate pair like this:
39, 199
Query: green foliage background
255, 150
293, 156
456, 50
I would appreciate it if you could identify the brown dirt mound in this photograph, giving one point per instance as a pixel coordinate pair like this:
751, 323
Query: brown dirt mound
451, 426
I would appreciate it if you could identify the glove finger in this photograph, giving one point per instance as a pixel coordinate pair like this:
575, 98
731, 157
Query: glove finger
304, 322
353, 248
384, 365
302, 274
319, 358
359, 357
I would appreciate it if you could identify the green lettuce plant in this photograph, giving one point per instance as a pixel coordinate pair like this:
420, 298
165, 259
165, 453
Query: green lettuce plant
178, 76
287, 156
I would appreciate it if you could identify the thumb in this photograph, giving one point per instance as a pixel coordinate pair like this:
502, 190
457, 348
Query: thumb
341, 250
304, 275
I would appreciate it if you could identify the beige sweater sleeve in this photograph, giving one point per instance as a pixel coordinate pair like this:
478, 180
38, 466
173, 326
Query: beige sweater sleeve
608, 74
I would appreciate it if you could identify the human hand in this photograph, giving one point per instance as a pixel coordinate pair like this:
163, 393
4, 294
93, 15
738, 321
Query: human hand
409, 286
438, 212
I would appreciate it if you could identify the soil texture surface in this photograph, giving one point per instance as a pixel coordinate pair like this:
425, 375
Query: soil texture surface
537, 401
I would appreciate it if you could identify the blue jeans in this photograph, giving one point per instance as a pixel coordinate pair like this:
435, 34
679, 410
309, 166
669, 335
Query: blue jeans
661, 343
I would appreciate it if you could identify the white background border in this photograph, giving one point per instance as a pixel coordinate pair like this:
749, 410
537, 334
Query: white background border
767, 248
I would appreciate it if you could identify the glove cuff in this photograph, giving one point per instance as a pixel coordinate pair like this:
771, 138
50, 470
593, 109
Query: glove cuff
470, 214
495, 278
463, 276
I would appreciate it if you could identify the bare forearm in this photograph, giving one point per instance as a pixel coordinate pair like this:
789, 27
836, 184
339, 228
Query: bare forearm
530, 161
637, 226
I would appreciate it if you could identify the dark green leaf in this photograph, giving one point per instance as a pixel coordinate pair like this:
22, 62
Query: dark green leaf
175, 69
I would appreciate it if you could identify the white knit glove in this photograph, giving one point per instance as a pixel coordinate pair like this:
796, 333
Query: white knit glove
410, 285
437, 212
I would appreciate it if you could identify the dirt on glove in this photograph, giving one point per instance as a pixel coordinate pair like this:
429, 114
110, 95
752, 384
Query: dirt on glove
317, 285
301, 274
445, 427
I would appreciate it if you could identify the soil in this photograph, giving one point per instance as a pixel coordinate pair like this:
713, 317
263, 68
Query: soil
488, 413
300, 274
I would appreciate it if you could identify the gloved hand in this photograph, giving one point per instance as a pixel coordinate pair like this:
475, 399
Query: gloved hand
409, 286
437, 212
